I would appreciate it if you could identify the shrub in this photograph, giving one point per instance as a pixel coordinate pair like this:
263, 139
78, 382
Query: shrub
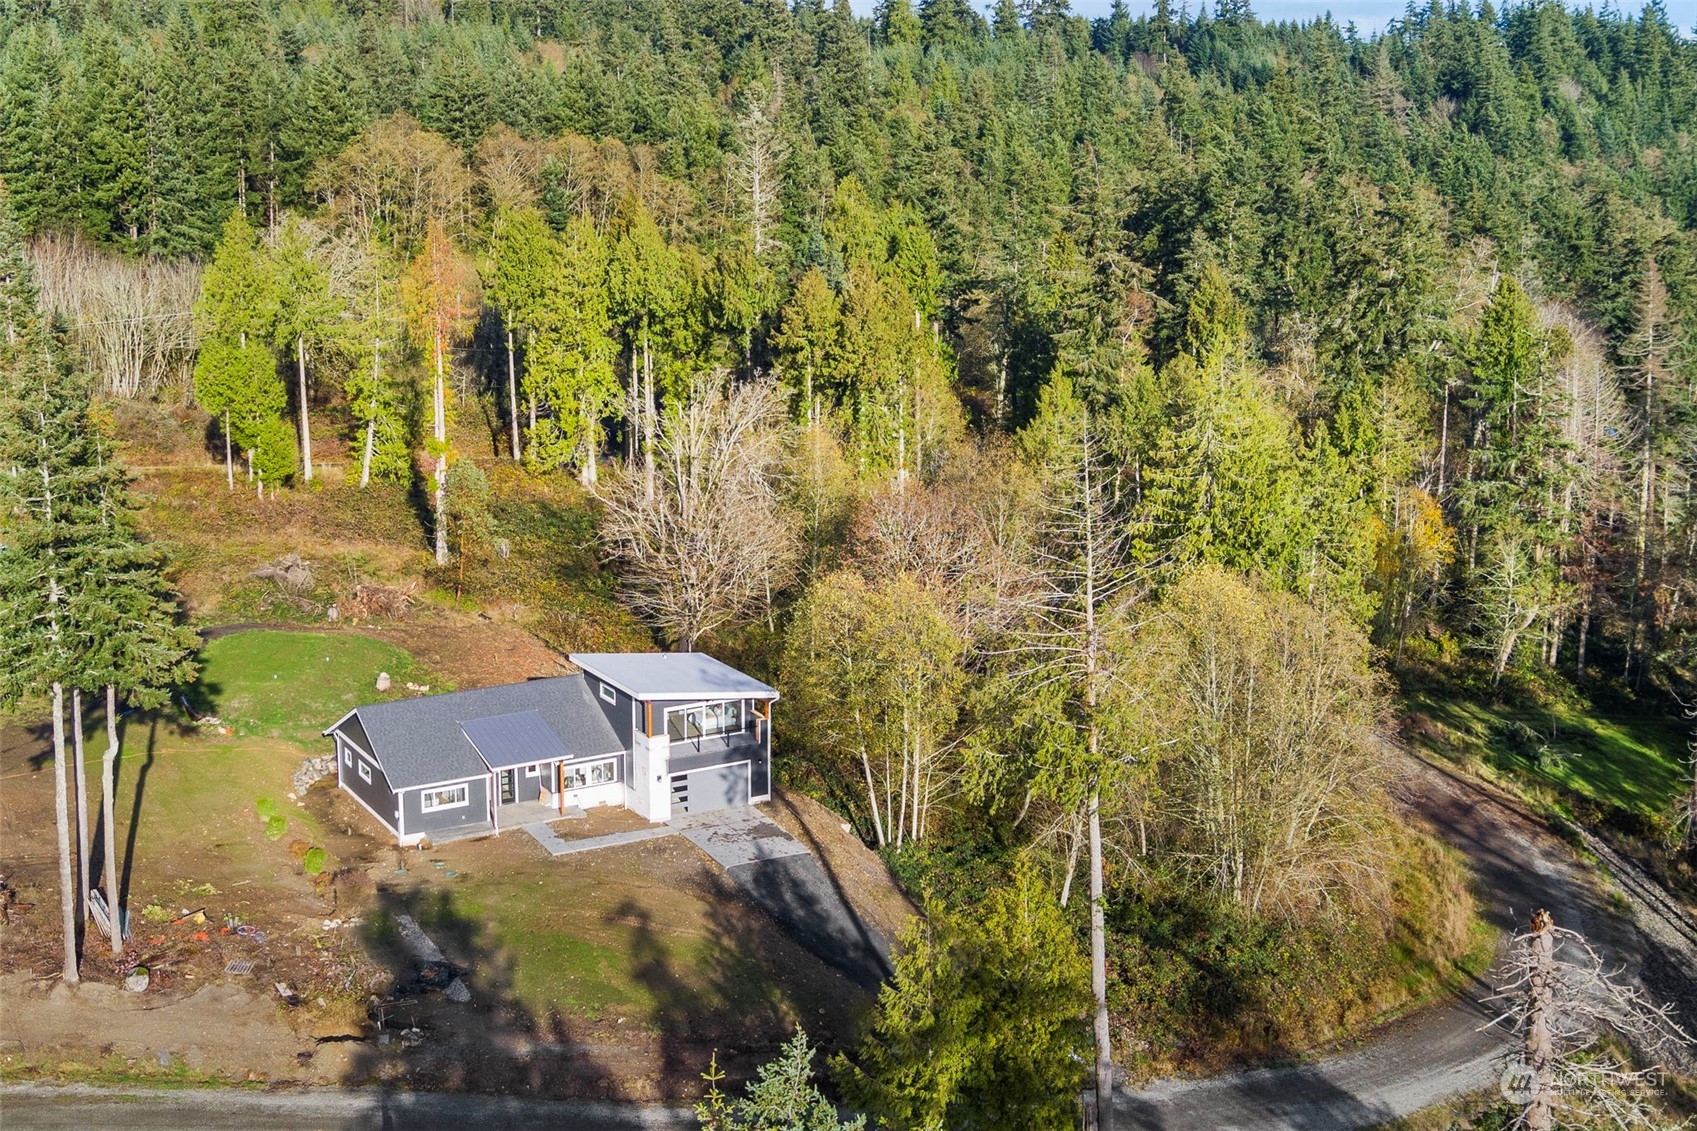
275, 826
313, 861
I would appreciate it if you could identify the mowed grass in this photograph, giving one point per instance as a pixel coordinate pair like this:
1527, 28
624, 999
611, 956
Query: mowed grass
1637, 763
650, 934
291, 685
188, 801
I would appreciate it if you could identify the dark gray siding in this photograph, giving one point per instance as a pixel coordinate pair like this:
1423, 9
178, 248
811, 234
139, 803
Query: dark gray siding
375, 793
684, 758
618, 712
474, 812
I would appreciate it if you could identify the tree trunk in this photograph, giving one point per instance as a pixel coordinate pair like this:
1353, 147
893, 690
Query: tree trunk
108, 783
513, 394
306, 431
62, 822
82, 805
872, 799
229, 461
1099, 972
371, 424
1540, 1046
441, 434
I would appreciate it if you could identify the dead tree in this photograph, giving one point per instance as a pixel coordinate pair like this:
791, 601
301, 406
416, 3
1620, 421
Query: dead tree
1561, 1003
710, 542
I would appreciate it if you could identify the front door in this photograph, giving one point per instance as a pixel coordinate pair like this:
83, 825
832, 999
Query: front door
507, 786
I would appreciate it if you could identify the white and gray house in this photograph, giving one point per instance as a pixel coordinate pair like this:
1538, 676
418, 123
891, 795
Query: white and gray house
661, 734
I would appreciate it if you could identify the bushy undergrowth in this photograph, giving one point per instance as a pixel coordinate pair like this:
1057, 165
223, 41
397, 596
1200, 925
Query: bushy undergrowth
1197, 981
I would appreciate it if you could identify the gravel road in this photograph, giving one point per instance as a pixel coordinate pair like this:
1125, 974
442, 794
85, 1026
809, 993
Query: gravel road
1441, 1052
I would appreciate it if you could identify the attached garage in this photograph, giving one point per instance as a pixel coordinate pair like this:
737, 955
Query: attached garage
714, 787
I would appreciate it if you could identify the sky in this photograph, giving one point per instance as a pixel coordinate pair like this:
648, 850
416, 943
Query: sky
1369, 15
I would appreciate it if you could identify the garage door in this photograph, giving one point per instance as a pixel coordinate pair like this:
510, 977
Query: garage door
717, 787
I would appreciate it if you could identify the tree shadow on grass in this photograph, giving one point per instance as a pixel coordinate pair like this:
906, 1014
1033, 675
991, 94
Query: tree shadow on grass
741, 997
491, 1044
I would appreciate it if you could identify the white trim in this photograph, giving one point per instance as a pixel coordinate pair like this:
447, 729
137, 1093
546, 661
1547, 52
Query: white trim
463, 803
340, 737
444, 781
326, 731
364, 769
367, 807
607, 686
650, 696
585, 764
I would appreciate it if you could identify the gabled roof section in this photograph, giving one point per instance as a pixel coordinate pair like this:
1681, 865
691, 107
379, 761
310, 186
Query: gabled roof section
672, 675
422, 741
517, 739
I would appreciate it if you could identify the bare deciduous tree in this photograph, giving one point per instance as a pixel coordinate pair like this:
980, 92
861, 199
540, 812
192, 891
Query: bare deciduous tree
710, 543
397, 176
1561, 1002
130, 319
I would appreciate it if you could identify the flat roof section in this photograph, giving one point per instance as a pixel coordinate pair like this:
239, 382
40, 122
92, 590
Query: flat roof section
672, 675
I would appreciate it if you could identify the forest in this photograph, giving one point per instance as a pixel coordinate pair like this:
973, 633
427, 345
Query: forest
1099, 429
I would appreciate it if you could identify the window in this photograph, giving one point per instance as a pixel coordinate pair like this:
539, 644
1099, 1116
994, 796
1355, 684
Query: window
444, 797
531, 771
585, 774
608, 694
364, 772
694, 723
347, 755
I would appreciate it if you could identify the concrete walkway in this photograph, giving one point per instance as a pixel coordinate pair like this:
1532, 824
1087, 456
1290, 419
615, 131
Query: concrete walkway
559, 846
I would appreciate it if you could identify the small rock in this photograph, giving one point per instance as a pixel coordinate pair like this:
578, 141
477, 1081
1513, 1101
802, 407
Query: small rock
163, 1056
137, 983
383, 681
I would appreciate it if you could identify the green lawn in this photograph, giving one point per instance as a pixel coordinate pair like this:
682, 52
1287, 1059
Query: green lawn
1635, 762
291, 685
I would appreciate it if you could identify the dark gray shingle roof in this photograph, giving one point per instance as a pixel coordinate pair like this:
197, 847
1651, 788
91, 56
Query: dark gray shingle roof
672, 675
420, 741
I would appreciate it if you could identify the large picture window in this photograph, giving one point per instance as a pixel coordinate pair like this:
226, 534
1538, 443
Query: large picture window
690, 724
585, 774
444, 797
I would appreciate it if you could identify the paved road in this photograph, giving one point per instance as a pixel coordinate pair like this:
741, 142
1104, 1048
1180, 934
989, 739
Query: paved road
1440, 1052
76, 1108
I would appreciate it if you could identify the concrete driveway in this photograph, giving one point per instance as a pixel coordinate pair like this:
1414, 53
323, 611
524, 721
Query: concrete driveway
790, 884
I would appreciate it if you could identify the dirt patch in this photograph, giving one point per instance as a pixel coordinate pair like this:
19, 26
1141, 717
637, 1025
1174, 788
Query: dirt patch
473, 652
217, 1030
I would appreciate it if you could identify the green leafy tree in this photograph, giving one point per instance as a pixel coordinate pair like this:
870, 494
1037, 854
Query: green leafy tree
570, 365
806, 343
522, 260
307, 311
878, 665
983, 1023
236, 314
